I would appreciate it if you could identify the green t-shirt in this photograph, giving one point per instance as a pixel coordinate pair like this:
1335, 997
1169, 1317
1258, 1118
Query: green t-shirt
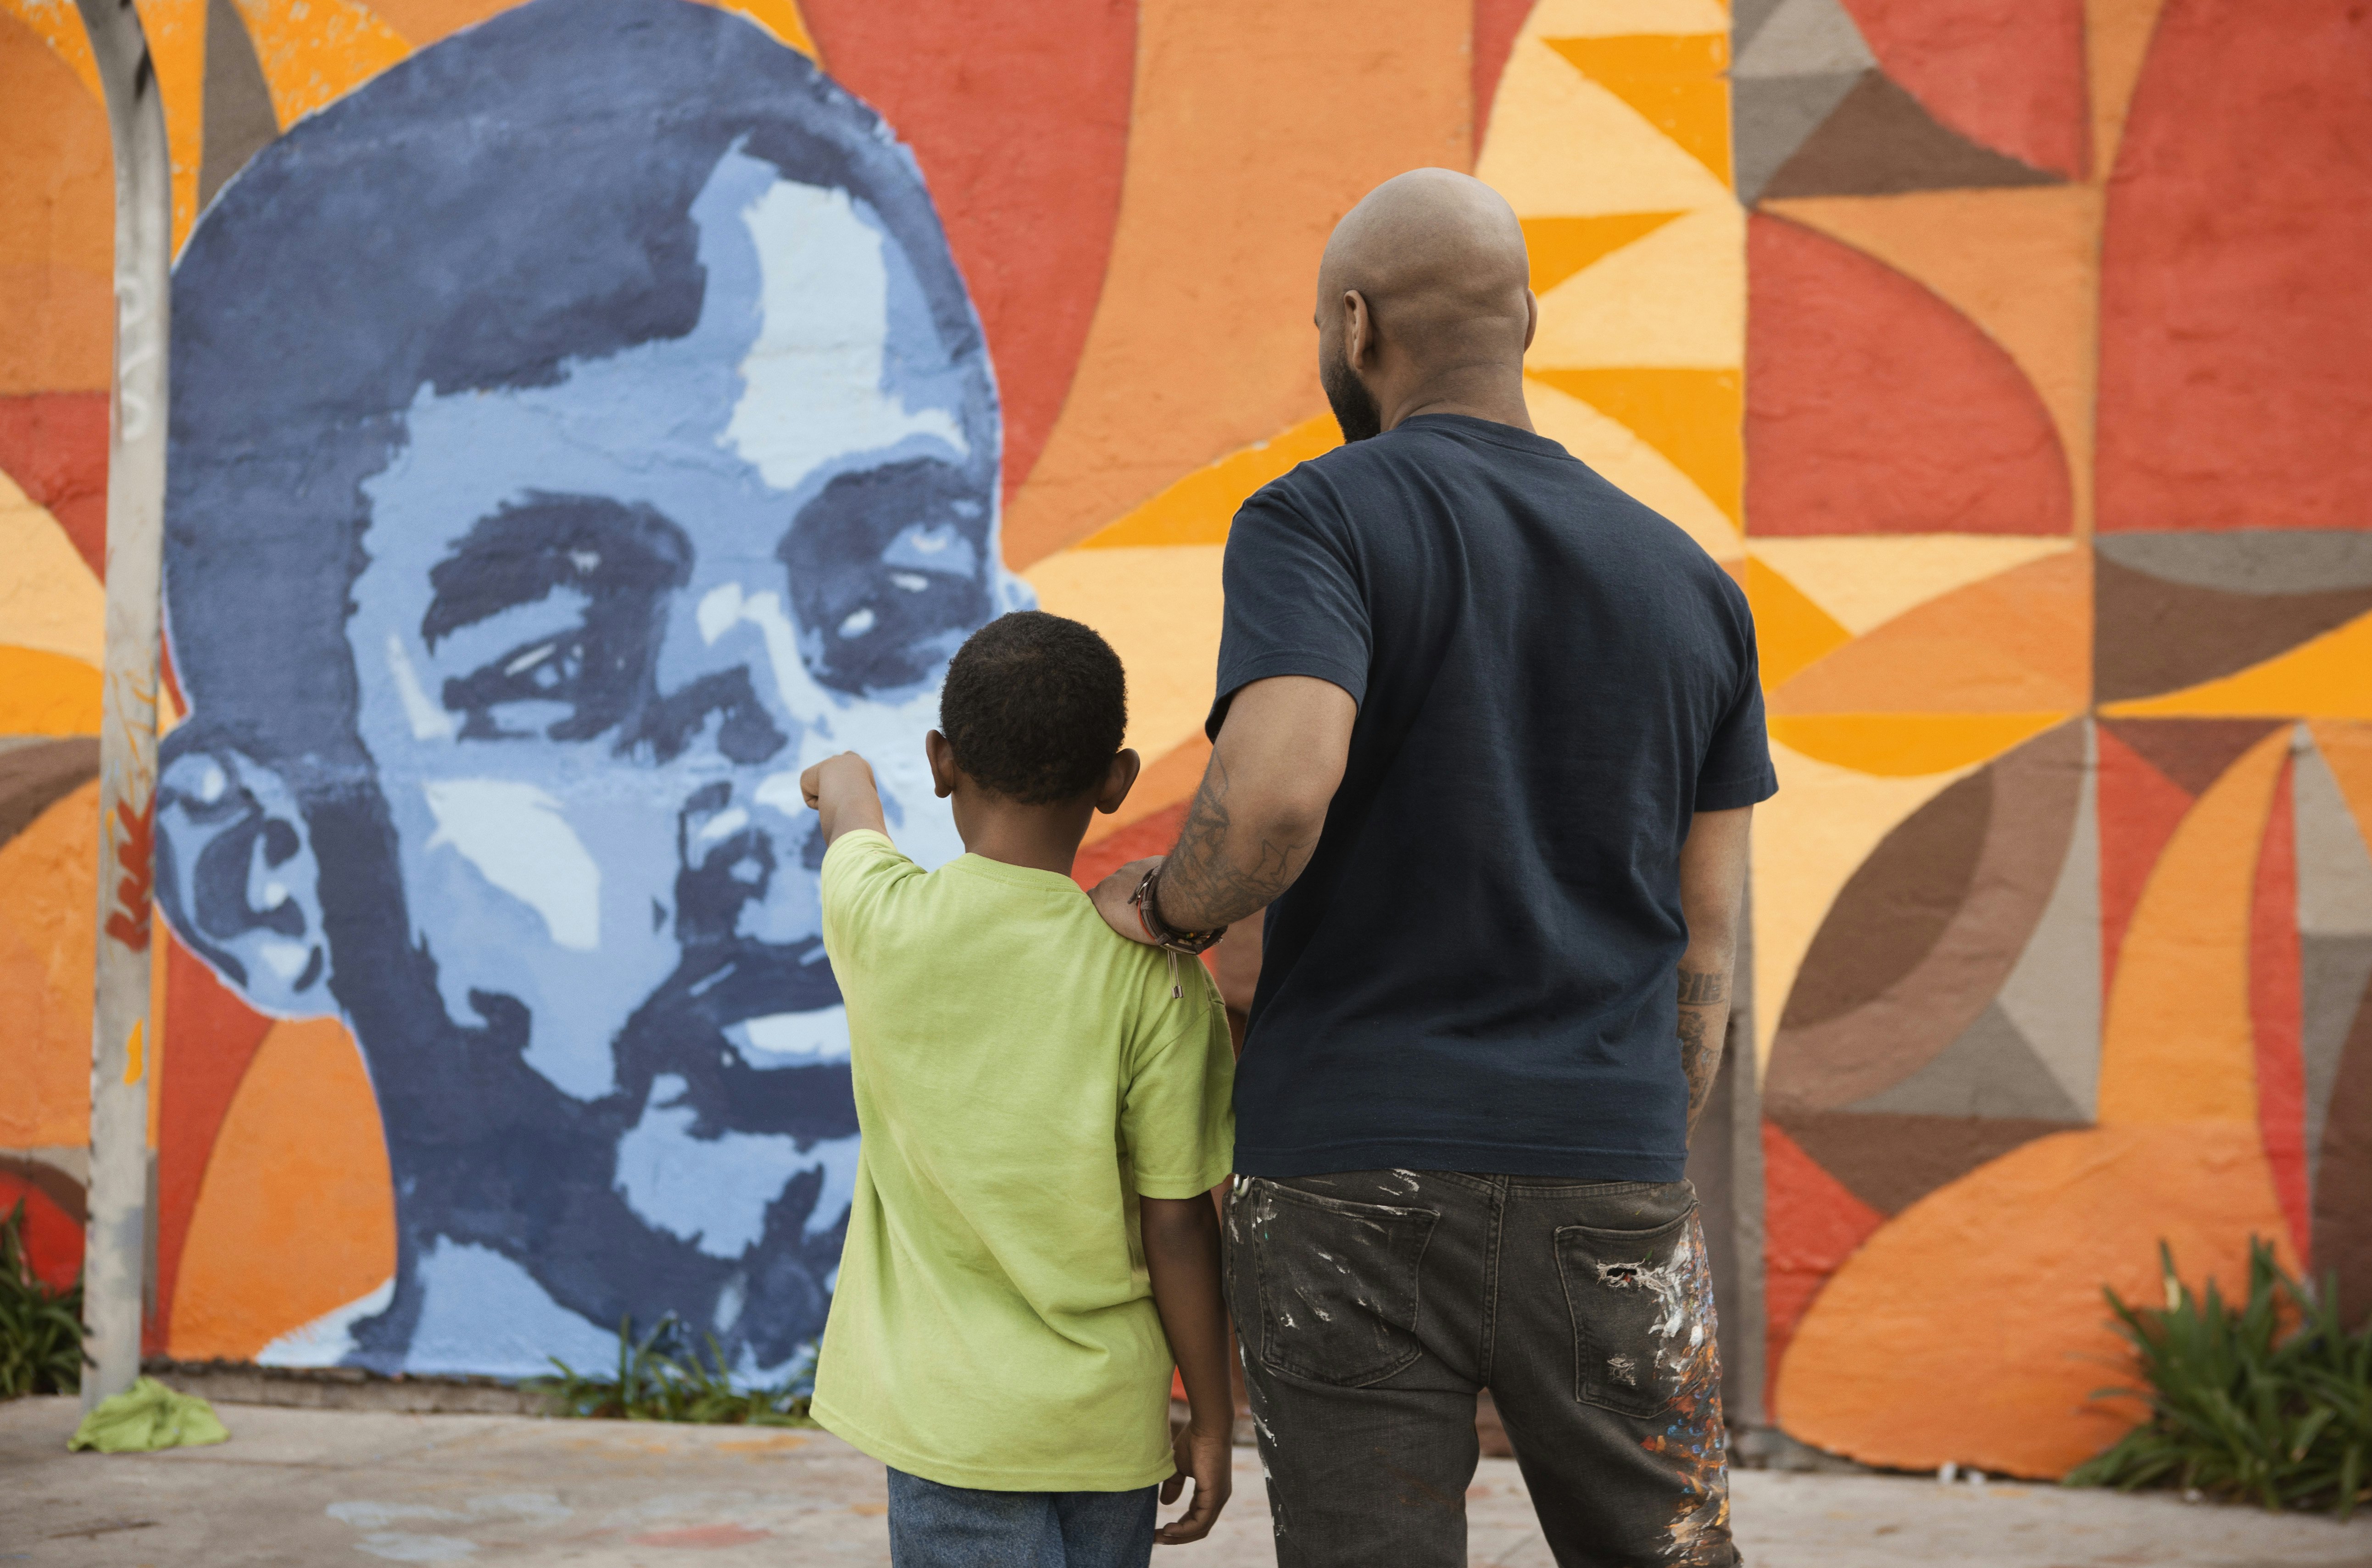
1022, 1074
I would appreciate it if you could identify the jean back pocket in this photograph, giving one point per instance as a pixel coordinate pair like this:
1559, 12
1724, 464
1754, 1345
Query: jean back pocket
1643, 1314
1337, 1283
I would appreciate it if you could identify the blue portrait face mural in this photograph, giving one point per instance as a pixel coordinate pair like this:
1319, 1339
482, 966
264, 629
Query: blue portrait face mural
578, 431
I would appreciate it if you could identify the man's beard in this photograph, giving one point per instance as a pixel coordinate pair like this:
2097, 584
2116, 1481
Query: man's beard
1355, 407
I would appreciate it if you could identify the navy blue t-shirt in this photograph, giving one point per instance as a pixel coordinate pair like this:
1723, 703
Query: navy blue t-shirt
1475, 969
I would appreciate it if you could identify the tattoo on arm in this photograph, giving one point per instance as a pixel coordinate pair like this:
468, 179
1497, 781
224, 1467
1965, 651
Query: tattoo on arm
1216, 876
1705, 1009
1699, 987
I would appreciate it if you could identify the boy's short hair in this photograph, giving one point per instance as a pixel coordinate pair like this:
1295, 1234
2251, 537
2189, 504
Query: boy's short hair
1035, 707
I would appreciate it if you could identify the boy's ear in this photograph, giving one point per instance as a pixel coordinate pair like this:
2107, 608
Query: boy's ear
236, 880
1118, 779
943, 763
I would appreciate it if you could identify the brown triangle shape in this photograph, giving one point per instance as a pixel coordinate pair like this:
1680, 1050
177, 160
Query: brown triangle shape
2193, 753
238, 121
36, 776
1880, 140
2151, 635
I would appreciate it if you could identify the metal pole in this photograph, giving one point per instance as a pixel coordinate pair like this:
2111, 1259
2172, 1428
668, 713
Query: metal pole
122, 1049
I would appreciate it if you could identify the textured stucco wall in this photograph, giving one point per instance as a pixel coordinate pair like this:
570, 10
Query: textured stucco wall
2009, 351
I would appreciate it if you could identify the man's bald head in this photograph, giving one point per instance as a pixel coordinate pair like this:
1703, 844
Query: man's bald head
1437, 258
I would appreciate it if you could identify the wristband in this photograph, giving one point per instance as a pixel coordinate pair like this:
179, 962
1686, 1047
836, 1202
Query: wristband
1148, 915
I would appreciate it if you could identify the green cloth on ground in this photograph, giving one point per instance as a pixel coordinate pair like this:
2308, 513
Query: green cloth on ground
1022, 1077
148, 1416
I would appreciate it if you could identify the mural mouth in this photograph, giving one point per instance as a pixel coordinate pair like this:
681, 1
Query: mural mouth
756, 1033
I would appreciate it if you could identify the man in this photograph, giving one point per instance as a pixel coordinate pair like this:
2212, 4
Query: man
1488, 736
578, 430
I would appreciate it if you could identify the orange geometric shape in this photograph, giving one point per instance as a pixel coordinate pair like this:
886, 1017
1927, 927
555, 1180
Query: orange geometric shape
1562, 247
1254, 89
2021, 263
2007, 73
1200, 508
2018, 643
2329, 677
57, 189
1904, 744
2177, 1044
295, 1217
780, 20
1990, 1288
1691, 416
46, 693
315, 51
60, 28
47, 940
2116, 38
1675, 81
1874, 407
1790, 630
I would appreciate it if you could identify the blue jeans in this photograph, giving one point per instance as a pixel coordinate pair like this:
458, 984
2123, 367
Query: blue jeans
956, 1527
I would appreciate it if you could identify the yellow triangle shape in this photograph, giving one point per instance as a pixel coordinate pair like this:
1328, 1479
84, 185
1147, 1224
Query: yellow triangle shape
1695, 417
1674, 80
1562, 247
1790, 630
2327, 678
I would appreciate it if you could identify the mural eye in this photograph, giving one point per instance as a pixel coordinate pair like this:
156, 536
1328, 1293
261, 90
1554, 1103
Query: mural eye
888, 572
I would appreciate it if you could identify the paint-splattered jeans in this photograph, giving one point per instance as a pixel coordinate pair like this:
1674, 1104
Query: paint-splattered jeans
1373, 1305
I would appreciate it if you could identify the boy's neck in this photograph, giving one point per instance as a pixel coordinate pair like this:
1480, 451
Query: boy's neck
1043, 838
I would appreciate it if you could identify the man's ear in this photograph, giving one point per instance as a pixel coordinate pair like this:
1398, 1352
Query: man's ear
1531, 318
1118, 779
942, 758
236, 880
1358, 330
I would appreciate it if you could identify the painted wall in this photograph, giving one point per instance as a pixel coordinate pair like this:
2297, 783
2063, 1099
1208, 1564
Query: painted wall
546, 489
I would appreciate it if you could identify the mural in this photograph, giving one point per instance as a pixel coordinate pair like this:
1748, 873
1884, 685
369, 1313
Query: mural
2063, 914
588, 410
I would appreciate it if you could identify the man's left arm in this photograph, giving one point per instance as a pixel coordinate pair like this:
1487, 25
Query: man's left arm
1713, 892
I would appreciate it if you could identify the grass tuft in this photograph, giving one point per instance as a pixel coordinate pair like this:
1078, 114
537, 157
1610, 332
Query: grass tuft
2268, 1401
41, 1329
657, 1379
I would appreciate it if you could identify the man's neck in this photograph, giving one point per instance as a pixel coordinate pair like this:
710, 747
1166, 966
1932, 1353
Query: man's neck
1497, 397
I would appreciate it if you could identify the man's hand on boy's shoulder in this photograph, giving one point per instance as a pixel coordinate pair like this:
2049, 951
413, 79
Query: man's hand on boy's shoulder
1115, 898
843, 794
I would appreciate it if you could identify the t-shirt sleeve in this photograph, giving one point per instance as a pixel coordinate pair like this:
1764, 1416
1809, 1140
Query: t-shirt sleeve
861, 872
1178, 1118
1294, 603
1736, 769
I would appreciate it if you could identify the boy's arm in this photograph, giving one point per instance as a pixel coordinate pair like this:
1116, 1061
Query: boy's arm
1182, 1252
843, 793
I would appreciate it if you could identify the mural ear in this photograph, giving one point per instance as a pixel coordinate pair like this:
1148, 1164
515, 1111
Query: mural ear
236, 880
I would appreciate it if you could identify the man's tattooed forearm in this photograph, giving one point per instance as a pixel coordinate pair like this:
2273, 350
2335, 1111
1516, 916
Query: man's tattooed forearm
1213, 877
1699, 987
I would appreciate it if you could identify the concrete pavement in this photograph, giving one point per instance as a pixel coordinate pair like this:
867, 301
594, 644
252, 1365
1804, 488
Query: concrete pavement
308, 1487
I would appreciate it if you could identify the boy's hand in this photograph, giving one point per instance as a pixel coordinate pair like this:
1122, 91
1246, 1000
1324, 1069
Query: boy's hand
846, 770
842, 791
1207, 1457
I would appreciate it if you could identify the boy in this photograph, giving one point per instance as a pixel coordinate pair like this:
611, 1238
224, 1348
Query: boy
1035, 1095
